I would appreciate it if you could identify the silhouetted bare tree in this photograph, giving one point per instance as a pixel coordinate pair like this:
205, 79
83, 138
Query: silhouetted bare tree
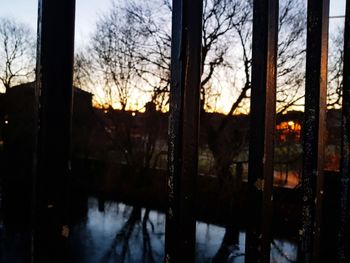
132, 45
82, 75
115, 63
17, 53
111, 56
335, 67
226, 48
226, 138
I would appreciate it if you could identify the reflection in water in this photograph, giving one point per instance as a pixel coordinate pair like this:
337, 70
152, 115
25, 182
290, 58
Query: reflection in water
119, 233
114, 232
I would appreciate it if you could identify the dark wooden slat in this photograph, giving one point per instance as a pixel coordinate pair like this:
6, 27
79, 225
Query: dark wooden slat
183, 130
54, 78
314, 130
262, 129
343, 242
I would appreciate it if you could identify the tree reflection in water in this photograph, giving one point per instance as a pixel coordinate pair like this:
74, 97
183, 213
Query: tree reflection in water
229, 246
114, 232
122, 238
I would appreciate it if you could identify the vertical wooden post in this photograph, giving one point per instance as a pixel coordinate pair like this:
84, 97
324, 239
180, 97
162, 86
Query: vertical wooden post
343, 242
314, 129
183, 130
54, 78
262, 130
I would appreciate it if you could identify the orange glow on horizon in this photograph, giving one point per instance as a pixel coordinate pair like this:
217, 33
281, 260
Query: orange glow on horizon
288, 131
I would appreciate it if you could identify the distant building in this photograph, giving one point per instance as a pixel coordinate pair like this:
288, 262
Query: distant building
288, 127
98, 132
17, 118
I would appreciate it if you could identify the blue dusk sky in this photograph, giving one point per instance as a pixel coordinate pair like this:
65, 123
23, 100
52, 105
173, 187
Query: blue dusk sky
88, 11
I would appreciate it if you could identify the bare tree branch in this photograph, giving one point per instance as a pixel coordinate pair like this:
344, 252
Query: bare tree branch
17, 53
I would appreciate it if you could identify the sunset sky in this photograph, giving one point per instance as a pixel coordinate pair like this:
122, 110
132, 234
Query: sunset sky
88, 12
